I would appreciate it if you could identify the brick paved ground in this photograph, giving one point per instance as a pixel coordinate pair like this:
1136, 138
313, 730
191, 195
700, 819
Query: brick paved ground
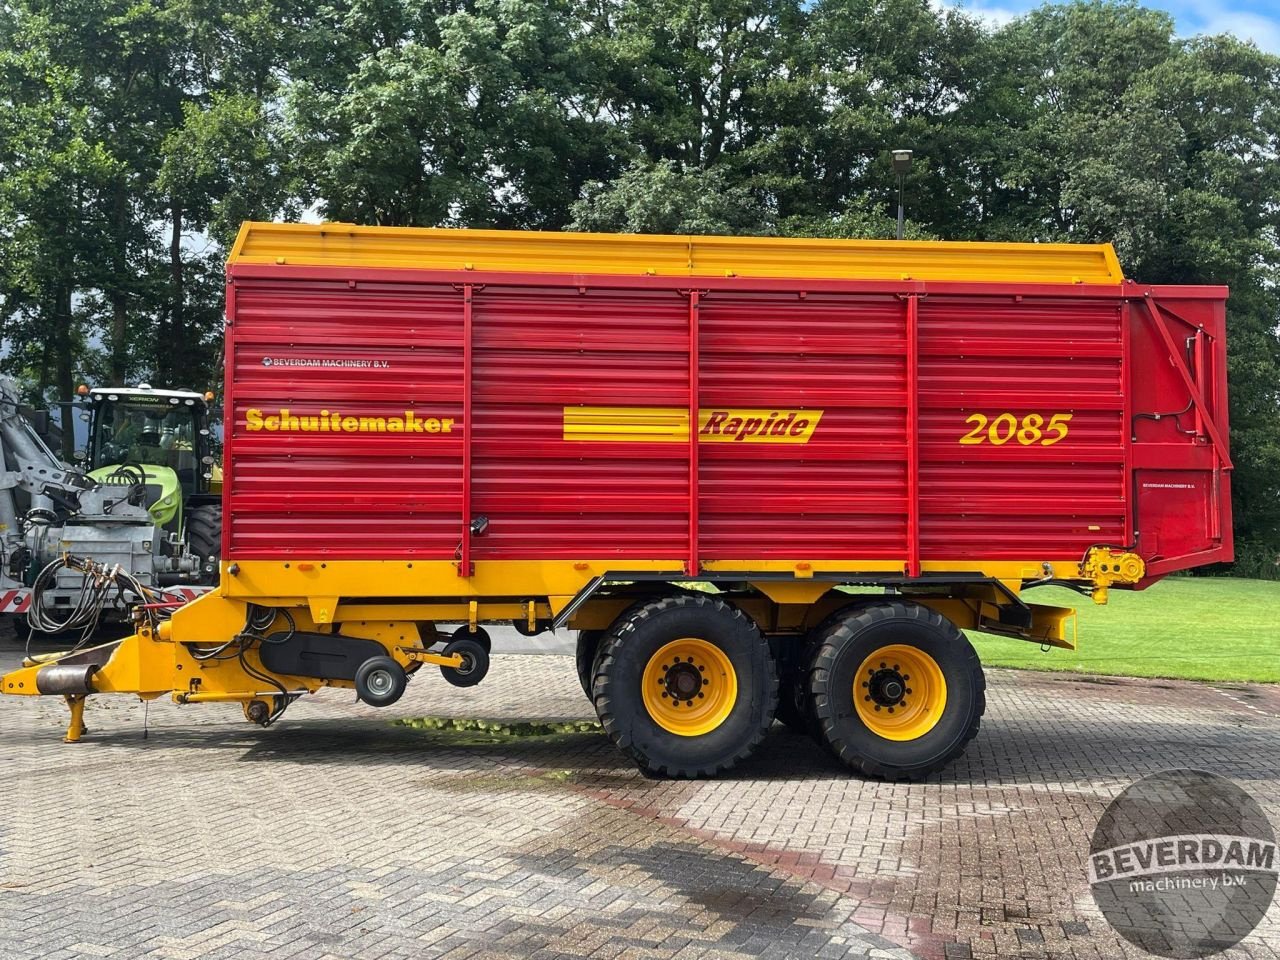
336, 834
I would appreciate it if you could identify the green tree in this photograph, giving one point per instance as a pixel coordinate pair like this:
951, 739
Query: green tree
115, 111
433, 115
693, 82
861, 219
222, 165
55, 200
667, 197
893, 74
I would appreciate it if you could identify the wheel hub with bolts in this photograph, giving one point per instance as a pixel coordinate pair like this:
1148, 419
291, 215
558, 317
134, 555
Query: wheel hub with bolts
899, 692
689, 687
887, 687
683, 681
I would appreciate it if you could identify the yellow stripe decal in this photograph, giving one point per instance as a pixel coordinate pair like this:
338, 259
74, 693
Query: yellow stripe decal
671, 424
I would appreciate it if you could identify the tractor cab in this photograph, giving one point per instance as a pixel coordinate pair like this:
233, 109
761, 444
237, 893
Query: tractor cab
157, 437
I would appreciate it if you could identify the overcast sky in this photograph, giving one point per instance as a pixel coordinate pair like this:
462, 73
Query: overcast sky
1256, 20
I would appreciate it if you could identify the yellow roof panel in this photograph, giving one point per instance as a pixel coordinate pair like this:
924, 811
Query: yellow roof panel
628, 254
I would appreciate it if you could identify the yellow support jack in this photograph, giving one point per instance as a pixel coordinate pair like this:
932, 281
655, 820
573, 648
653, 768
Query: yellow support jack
76, 728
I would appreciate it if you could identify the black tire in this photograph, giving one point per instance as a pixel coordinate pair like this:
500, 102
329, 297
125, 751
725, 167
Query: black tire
585, 657
587, 650
839, 653
480, 636
620, 664
380, 681
789, 656
793, 706
475, 663
521, 626
204, 538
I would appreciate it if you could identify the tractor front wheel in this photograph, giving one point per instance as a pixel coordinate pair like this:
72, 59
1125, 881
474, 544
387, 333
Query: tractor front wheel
204, 539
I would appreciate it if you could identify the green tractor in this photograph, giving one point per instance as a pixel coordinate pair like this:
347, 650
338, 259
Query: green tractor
161, 439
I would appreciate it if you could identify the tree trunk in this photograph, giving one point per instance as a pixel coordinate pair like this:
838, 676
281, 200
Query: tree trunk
119, 301
119, 339
172, 354
63, 368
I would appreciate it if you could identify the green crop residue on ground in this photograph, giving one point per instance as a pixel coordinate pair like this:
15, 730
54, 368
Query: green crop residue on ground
1210, 628
500, 729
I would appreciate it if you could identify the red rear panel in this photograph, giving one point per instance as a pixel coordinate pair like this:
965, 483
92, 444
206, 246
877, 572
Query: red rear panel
846, 421
1178, 428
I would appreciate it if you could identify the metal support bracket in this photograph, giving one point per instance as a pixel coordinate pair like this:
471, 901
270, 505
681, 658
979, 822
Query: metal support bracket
1105, 568
420, 655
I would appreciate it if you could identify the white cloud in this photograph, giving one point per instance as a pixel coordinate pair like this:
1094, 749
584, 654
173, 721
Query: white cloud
1264, 31
1192, 16
992, 16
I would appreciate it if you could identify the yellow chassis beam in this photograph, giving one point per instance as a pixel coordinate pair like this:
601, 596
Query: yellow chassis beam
534, 590
515, 581
231, 697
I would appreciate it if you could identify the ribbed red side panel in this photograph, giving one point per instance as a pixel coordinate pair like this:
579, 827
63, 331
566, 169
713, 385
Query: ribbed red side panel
993, 357
842, 494
539, 350
900, 423
309, 347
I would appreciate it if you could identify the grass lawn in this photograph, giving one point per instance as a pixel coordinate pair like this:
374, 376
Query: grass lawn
1193, 629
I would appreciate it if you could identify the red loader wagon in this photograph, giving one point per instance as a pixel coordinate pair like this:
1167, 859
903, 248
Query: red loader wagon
759, 477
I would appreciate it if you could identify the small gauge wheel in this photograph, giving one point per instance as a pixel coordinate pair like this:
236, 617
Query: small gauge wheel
474, 666
480, 635
380, 681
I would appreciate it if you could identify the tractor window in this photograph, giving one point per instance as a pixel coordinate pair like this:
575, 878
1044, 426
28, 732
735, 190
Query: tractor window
147, 434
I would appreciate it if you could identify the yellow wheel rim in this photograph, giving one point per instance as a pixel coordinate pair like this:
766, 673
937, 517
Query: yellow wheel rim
689, 687
900, 692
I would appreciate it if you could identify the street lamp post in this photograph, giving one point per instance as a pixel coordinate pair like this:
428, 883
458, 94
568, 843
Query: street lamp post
901, 166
